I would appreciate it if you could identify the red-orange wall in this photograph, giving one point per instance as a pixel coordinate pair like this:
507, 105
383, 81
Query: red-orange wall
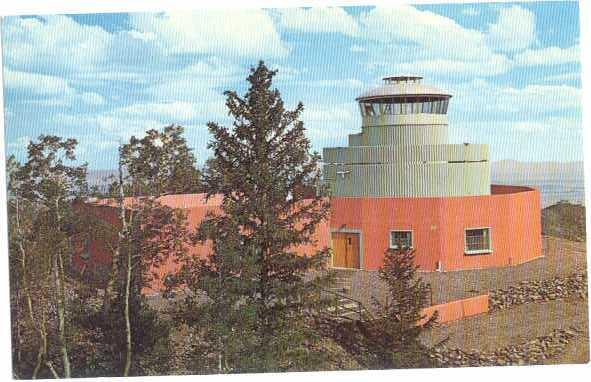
438, 224
457, 309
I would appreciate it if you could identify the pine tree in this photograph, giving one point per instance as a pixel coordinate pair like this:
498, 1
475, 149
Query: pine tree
392, 339
259, 296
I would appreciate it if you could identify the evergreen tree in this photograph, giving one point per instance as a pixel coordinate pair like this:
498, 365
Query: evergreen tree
392, 339
257, 317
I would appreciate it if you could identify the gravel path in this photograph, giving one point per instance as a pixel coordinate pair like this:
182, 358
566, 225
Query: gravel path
491, 331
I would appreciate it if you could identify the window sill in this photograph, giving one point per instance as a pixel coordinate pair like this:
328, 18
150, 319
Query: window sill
479, 252
398, 248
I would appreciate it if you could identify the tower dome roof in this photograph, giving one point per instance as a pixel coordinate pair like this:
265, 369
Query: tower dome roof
402, 86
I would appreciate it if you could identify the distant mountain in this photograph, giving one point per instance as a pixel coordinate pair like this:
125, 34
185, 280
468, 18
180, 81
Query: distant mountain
535, 171
99, 177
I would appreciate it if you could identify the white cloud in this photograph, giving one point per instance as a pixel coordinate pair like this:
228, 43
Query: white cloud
36, 84
548, 56
165, 112
93, 99
438, 35
483, 100
497, 64
248, 33
575, 76
514, 30
53, 44
324, 20
44, 90
346, 83
471, 11
357, 49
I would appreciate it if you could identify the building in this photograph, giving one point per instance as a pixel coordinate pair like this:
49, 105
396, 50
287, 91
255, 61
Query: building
400, 183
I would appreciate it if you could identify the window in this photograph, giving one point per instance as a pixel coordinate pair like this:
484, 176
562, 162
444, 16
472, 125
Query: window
478, 241
400, 239
445, 103
369, 110
437, 107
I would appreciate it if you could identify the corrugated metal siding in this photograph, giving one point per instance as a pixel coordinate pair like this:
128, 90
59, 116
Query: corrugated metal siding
389, 154
355, 139
404, 135
432, 179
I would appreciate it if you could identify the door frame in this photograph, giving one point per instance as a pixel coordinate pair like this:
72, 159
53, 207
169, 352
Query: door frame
361, 255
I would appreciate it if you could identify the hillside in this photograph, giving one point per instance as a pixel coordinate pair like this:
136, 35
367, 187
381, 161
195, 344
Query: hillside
564, 220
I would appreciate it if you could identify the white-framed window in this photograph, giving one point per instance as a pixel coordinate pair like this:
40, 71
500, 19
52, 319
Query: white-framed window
477, 240
401, 239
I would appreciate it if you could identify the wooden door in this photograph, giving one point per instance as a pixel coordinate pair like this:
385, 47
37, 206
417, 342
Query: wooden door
345, 247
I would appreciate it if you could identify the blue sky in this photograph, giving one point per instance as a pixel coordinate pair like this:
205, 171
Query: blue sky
513, 69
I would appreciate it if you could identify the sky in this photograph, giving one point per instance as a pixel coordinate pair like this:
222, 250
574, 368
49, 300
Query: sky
513, 70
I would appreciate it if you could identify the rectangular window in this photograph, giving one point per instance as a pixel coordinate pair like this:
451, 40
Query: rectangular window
478, 241
400, 239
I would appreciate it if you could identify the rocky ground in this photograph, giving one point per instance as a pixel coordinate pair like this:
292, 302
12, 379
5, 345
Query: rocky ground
538, 310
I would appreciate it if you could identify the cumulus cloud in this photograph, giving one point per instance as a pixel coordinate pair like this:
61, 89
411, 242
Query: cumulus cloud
47, 90
548, 56
346, 83
470, 11
483, 100
55, 44
438, 34
429, 43
357, 48
248, 33
325, 20
36, 84
495, 65
514, 30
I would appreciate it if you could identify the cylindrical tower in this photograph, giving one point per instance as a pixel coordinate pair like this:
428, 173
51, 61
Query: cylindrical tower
403, 150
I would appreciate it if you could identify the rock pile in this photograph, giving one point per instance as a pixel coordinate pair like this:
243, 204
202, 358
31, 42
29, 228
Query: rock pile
528, 291
527, 353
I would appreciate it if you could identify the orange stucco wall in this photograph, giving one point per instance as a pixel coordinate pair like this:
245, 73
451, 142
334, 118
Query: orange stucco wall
438, 224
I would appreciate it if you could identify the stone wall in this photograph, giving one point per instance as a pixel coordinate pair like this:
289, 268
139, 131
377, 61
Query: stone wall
530, 291
527, 353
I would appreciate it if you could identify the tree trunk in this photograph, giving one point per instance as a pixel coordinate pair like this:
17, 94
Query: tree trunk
127, 321
61, 308
61, 312
42, 352
111, 284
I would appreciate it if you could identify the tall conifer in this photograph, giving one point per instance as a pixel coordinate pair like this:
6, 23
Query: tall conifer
260, 297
